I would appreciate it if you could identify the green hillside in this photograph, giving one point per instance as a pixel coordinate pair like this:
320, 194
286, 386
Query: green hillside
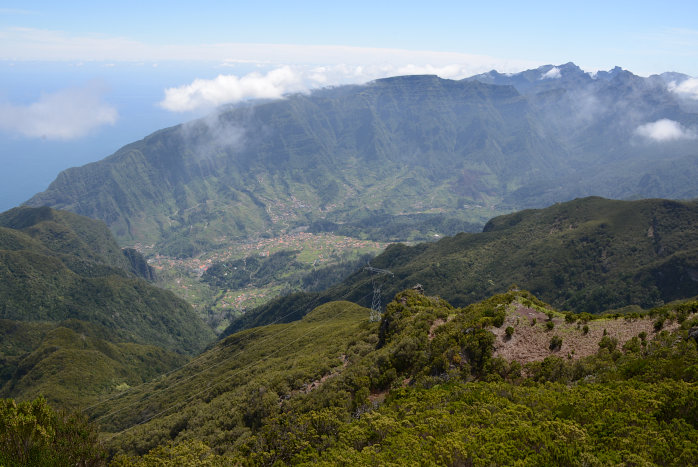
402, 159
586, 255
57, 265
398, 145
360, 160
77, 320
427, 385
73, 362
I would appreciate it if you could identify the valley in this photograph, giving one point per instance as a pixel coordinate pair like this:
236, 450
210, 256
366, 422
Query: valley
201, 296
319, 254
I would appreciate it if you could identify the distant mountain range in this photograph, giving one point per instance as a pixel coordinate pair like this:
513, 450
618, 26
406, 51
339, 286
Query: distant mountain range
458, 151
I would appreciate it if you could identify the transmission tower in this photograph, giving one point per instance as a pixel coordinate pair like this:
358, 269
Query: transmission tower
376, 309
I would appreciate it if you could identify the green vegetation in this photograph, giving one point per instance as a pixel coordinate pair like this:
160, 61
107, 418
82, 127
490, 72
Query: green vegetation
32, 433
373, 161
383, 226
73, 363
588, 255
243, 377
307, 378
555, 343
226, 282
77, 318
56, 266
424, 386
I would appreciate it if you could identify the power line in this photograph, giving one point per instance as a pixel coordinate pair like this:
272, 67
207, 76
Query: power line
376, 308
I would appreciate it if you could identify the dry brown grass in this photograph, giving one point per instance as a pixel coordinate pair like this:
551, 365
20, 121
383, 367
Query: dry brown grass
532, 342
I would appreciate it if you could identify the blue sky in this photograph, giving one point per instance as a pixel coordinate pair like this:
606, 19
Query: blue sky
80, 79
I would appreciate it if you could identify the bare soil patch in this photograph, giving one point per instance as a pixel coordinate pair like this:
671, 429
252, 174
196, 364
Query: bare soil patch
531, 342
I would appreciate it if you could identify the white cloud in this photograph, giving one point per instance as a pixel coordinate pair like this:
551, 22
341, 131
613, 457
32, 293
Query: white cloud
664, 130
446, 71
203, 94
553, 73
687, 88
224, 89
62, 115
40, 44
313, 65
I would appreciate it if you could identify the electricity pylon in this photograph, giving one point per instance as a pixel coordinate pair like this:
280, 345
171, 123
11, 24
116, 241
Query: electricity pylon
376, 310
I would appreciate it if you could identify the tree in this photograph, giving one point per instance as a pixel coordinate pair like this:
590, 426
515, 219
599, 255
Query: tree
32, 433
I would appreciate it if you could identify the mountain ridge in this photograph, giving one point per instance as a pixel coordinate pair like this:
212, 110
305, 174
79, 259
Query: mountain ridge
399, 146
587, 255
58, 265
370, 390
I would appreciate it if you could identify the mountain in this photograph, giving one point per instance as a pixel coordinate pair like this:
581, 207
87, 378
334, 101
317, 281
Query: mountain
72, 363
586, 255
76, 319
502, 381
58, 265
355, 157
607, 119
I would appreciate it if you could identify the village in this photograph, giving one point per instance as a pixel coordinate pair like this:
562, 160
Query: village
183, 275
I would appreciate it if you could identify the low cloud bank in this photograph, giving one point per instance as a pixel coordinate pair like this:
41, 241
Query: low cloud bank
687, 88
63, 115
225, 89
205, 94
664, 130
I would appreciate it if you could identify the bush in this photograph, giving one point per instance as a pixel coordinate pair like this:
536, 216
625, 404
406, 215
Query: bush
585, 329
608, 342
32, 433
549, 325
658, 325
555, 343
509, 331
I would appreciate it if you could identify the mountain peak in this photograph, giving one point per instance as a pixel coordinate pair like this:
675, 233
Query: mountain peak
613, 73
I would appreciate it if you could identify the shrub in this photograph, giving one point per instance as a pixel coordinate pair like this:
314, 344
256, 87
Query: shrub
633, 345
555, 343
585, 330
549, 325
32, 433
608, 342
658, 325
509, 331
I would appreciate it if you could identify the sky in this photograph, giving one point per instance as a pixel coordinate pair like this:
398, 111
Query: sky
78, 80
